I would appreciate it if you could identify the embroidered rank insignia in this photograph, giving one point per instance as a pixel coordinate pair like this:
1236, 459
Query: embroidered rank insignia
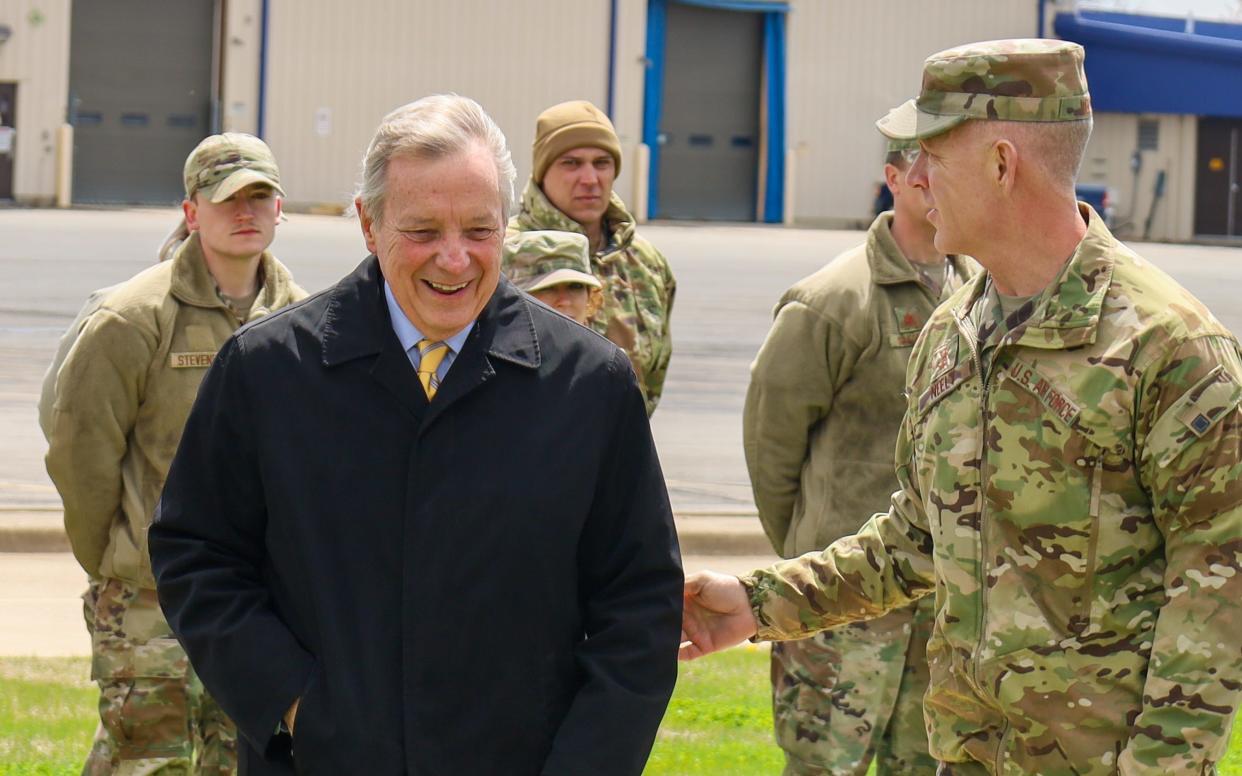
943, 359
908, 319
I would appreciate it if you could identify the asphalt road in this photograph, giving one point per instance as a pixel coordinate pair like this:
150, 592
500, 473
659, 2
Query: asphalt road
728, 279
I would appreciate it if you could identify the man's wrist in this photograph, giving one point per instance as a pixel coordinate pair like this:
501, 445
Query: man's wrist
754, 597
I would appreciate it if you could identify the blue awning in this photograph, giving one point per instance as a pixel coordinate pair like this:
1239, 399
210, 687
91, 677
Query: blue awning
1140, 68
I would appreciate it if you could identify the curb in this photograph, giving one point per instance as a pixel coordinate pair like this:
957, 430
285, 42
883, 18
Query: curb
31, 529
700, 531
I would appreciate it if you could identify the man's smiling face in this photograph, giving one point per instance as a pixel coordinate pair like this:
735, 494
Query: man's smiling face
439, 238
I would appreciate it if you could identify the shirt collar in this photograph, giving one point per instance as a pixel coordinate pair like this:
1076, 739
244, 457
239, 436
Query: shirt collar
408, 334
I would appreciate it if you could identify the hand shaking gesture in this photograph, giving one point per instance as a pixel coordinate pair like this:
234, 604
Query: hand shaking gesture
717, 615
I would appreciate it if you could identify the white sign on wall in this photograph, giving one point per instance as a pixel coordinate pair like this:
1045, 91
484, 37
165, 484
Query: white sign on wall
323, 122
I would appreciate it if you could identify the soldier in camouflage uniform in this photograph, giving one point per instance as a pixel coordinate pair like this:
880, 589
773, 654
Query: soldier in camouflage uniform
1070, 464
118, 404
819, 426
555, 268
576, 160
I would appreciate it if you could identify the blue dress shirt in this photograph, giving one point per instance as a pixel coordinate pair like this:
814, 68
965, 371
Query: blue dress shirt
409, 336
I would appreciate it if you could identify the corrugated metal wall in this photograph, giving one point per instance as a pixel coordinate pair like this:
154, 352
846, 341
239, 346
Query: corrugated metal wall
334, 71
1113, 138
37, 58
627, 107
852, 60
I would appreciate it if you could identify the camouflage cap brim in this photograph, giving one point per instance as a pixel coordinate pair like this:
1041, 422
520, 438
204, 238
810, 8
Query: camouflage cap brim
907, 122
560, 276
238, 181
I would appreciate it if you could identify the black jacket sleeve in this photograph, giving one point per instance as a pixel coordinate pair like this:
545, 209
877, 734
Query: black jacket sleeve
629, 567
209, 555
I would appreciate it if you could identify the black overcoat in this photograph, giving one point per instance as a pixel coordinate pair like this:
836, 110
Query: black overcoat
484, 584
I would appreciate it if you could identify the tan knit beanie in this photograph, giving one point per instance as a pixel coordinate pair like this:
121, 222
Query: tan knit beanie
570, 125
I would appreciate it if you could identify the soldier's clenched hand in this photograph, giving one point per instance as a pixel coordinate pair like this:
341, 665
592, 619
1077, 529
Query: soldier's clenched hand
717, 614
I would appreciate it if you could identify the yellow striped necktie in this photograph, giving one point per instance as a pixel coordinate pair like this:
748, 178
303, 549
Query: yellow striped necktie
430, 355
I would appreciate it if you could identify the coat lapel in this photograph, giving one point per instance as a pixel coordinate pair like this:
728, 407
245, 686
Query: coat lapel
355, 325
504, 331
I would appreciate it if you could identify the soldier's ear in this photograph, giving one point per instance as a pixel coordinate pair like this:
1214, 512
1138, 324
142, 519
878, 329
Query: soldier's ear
190, 211
893, 177
1003, 165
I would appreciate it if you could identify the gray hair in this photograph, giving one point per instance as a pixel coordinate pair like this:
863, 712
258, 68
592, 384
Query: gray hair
434, 127
1058, 147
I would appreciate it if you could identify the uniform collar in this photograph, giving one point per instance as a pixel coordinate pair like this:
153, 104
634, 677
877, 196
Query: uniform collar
889, 266
538, 212
1067, 312
193, 284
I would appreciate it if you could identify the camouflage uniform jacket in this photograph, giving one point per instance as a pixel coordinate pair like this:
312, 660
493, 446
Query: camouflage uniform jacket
122, 397
638, 286
1077, 511
825, 397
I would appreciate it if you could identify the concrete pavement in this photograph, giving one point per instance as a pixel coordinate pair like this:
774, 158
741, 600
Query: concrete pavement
728, 279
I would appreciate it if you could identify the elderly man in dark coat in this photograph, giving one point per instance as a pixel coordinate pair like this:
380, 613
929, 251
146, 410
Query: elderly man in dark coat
417, 524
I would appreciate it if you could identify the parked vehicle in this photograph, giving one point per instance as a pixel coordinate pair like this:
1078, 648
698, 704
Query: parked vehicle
1098, 196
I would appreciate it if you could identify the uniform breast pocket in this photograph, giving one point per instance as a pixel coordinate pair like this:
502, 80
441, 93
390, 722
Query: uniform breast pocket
1043, 498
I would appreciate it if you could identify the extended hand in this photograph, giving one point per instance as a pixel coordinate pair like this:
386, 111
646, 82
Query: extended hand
716, 615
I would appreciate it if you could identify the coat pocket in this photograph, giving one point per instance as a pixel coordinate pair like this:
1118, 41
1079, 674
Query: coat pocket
311, 728
1067, 710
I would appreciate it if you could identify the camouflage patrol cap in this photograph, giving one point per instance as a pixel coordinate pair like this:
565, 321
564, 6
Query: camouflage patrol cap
222, 165
894, 145
1000, 80
542, 259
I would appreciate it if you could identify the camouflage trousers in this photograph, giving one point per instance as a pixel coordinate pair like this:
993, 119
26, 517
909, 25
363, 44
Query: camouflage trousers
852, 693
155, 716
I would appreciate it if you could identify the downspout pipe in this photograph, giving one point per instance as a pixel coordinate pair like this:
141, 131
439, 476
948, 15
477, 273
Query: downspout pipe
262, 111
612, 58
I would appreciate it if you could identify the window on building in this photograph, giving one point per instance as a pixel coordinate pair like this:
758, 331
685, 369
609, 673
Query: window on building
1148, 134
